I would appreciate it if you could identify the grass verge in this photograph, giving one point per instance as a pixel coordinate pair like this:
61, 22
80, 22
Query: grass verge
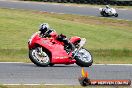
109, 40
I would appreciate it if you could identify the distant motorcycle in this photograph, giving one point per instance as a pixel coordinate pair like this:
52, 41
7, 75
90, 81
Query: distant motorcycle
108, 12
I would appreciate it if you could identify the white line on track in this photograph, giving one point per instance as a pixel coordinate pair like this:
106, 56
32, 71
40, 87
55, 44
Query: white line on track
72, 64
115, 64
33, 84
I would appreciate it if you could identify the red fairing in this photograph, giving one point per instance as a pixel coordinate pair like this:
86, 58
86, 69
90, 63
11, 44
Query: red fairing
32, 40
56, 48
75, 39
53, 35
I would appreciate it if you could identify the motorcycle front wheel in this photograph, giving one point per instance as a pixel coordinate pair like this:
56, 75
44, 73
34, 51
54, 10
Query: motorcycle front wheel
40, 58
116, 15
84, 58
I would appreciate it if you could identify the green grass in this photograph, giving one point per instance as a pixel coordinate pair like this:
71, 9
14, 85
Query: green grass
109, 40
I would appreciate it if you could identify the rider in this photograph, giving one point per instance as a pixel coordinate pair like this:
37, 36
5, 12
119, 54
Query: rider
107, 9
45, 31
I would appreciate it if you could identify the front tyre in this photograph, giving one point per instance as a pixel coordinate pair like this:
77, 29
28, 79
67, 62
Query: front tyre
84, 58
116, 15
40, 58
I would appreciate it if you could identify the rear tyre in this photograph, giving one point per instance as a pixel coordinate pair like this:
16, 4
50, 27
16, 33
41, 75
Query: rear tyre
84, 58
39, 58
104, 14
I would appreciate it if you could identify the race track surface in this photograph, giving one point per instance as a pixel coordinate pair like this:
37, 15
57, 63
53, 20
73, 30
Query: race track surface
61, 8
27, 73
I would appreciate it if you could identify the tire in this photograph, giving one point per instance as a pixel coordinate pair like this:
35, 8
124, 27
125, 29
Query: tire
105, 14
42, 59
84, 58
116, 15
102, 13
51, 64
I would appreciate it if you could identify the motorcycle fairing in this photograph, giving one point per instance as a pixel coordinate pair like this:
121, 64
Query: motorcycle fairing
56, 48
74, 39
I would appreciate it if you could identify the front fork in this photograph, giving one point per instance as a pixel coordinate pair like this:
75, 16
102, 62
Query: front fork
40, 51
82, 42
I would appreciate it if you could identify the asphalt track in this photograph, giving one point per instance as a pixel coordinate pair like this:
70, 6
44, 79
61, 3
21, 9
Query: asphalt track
61, 8
28, 73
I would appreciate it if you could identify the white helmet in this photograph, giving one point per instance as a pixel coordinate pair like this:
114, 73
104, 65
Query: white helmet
107, 6
44, 27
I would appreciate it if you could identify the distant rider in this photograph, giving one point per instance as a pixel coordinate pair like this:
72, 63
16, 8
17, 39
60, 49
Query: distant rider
45, 31
107, 9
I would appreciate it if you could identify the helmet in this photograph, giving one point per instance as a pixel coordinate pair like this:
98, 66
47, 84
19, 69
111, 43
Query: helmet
44, 27
107, 6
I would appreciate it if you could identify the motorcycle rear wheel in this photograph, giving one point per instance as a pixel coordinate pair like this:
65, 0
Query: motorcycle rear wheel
84, 58
40, 59
102, 13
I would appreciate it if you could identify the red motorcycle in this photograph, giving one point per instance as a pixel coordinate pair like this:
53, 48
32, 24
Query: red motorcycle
47, 51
